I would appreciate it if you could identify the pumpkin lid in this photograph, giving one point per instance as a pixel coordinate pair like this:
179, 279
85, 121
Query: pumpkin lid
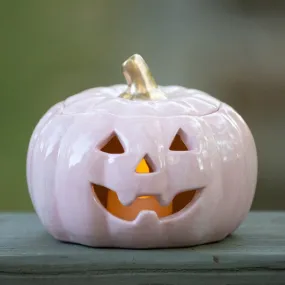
141, 97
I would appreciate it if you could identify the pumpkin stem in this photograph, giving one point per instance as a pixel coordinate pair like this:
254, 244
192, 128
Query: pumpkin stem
141, 84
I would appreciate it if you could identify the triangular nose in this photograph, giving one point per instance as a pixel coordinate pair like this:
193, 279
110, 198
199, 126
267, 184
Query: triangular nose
144, 166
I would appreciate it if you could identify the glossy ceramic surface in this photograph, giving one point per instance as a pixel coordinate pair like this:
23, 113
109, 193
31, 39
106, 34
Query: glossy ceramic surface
64, 159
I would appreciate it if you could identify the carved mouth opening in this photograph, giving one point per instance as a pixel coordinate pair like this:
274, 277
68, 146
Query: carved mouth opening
110, 201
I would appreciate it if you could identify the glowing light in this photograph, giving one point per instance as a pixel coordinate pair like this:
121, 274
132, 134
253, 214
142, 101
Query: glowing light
129, 213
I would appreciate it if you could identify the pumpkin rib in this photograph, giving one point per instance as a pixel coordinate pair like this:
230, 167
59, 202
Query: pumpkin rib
44, 121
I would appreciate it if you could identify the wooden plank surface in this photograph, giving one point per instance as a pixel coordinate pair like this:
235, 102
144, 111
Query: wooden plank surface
254, 254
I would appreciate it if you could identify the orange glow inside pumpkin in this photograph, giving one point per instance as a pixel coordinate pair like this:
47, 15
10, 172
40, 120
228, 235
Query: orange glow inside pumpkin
130, 212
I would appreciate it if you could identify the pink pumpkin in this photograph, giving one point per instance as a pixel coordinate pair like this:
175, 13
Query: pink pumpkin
141, 166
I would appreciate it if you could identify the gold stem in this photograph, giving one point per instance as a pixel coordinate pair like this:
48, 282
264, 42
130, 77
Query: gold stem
141, 84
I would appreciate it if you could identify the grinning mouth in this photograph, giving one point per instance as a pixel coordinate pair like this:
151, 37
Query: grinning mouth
110, 201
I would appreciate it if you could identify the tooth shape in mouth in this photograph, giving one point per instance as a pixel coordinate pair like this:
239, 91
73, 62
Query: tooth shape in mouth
110, 201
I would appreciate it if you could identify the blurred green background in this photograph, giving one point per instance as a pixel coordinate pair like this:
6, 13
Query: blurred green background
234, 50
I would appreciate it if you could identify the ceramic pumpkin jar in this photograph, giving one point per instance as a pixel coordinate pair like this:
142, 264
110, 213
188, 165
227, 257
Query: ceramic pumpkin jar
141, 166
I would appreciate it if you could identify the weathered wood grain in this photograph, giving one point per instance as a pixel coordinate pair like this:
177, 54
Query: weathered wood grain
255, 254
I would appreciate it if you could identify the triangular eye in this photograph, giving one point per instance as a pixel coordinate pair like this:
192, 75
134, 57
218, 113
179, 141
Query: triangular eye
178, 142
145, 165
112, 145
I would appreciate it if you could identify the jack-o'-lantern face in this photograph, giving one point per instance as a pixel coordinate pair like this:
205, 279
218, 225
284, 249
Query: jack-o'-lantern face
144, 201
141, 166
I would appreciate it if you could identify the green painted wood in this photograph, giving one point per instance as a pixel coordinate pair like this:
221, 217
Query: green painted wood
254, 254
